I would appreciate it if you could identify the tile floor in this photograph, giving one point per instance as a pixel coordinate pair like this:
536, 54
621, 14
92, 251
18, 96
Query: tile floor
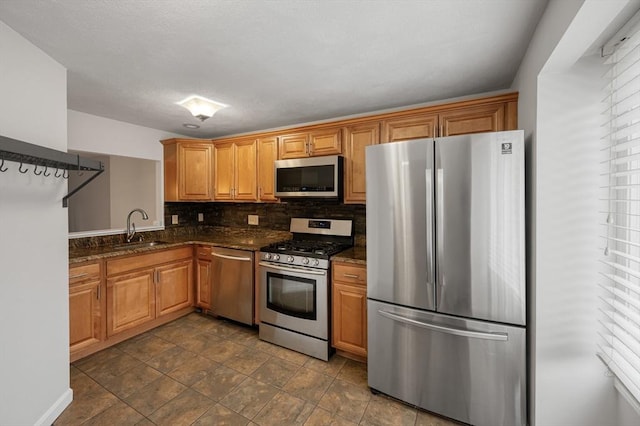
199, 370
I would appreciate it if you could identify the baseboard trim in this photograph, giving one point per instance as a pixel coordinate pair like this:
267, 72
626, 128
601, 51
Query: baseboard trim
56, 409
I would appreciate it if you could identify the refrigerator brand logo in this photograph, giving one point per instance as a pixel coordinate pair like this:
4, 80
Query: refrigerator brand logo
506, 148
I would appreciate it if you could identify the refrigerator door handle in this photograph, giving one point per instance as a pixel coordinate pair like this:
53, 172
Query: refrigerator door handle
449, 330
439, 212
429, 204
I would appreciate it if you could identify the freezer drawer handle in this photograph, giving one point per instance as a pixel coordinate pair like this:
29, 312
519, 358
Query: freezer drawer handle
224, 256
282, 268
465, 333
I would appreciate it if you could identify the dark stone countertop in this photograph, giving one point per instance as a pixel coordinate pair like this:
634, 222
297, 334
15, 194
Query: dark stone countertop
356, 254
241, 240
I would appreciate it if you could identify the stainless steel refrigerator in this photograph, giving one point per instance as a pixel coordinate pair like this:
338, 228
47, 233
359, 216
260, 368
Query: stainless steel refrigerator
446, 275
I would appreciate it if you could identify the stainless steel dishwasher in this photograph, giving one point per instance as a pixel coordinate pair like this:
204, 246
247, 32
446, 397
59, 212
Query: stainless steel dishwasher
232, 284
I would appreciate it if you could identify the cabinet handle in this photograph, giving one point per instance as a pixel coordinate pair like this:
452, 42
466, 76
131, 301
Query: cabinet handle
310, 148
352, 276
98, 293
156, 277
78, 276
260, 192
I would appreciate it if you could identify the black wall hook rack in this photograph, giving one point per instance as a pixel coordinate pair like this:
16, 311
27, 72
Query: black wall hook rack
27, 153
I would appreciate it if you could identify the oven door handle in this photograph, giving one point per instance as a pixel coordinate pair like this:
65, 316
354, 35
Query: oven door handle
299, 271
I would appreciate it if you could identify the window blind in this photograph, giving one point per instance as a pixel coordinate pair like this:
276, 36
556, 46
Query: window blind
619, 343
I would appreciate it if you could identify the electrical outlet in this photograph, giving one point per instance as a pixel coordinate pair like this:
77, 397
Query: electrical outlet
174, 219
253, 219
200, 217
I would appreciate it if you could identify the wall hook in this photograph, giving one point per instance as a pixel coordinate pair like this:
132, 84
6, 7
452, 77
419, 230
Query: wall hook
56, 173
20, 169
2, 167
45, 172
35, 172
65, 174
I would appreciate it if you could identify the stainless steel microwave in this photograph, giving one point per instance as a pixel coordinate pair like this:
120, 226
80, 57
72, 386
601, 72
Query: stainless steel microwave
312, 177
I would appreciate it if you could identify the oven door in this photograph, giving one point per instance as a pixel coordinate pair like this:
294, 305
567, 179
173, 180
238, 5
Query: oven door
295, 298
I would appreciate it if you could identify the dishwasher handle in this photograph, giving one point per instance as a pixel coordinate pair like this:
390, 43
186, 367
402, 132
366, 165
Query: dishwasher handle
449, 330
224, 256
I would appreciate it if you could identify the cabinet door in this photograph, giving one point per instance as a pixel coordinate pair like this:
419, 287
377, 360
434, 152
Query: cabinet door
246, 157
350, 318
267, 155
325, 142
478, 119
85, 317
409, 127
293, 146
174, 288
194, 171
223, 171
130, 301
357, 138
203, 283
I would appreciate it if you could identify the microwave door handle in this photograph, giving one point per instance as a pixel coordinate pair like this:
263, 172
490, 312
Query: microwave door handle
299, 271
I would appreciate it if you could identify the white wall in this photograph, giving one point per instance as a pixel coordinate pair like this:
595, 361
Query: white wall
34, 322
91, 133
559, 108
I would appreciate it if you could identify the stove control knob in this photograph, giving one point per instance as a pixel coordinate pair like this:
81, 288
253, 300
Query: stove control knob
290, 259
316, 262
267, 256
305, 260
276, 257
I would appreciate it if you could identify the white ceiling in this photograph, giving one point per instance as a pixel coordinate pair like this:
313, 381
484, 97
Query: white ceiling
275, 63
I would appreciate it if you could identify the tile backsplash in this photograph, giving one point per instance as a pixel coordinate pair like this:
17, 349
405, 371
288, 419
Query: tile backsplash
275, 216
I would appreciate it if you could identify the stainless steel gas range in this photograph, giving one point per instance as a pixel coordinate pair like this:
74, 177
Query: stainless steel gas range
295, 285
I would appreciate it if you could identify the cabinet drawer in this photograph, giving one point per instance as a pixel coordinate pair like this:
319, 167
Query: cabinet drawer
203, 252
352, 274
148, 260
83, 272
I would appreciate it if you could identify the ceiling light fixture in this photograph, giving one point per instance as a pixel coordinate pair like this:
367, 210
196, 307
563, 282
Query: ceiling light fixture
200, 107
190, 126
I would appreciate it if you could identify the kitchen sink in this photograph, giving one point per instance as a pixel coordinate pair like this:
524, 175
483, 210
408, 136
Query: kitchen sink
140, 244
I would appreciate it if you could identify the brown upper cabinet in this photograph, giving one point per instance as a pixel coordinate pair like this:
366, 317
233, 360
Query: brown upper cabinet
235, 173
327, 141
188, 170
456, 120
479, 119
409, 127
357, 138
267, 155
243, 170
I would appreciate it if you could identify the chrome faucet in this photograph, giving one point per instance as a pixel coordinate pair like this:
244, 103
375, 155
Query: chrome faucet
131, 233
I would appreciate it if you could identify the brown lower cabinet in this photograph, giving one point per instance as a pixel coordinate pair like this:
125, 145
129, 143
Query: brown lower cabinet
203, 277
349, 309
113, 300
130, 300
143, 287
85, 306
